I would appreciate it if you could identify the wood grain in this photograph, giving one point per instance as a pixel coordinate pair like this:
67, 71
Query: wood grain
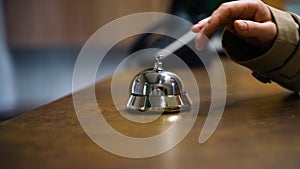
260, 129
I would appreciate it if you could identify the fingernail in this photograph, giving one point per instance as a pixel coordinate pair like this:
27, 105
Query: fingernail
242, 25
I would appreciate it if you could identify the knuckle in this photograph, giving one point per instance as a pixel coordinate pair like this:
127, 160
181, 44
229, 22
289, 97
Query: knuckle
222, 13
225, 5
257, 3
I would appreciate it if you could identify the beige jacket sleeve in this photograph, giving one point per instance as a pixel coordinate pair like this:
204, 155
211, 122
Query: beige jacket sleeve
280, 63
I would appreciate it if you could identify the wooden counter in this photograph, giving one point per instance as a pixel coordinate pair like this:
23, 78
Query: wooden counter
260, 128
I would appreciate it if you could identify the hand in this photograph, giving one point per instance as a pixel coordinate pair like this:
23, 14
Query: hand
250, 20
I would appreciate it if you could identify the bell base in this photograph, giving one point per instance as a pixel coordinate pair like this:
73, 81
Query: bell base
152, 103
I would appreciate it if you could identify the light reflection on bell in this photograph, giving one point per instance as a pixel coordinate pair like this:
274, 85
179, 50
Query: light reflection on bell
156, 90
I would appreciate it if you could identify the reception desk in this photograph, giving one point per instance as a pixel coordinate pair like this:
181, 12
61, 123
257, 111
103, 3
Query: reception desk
260, 128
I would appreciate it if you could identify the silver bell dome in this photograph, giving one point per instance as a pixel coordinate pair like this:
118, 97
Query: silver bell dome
157, 90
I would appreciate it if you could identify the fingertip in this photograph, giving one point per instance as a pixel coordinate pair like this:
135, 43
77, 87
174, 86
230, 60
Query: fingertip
201, 42
200, 25
198, 47
195, 28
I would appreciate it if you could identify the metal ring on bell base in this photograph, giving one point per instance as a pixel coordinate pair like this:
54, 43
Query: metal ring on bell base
171, 103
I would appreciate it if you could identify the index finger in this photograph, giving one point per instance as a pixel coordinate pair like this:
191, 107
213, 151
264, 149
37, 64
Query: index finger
230, 11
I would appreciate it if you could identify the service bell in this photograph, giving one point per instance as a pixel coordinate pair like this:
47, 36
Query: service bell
157, 90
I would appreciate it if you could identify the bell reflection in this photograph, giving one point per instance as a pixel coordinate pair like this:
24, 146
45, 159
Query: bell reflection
173, 118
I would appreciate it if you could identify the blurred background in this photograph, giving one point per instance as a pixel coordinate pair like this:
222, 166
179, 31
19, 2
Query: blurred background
41, 39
